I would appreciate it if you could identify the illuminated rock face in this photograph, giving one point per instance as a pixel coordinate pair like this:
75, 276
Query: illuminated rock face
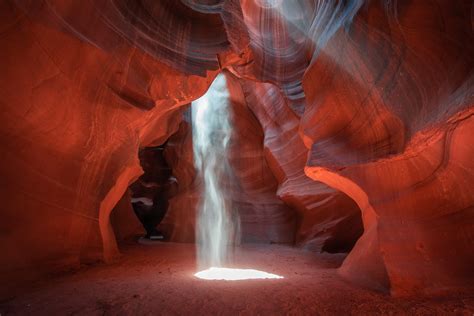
372, 100
73, 118
389, 108
327, 219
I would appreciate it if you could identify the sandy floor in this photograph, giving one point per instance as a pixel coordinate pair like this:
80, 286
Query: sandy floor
158, 279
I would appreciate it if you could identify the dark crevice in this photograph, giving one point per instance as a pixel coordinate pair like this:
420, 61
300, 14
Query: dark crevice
151, 192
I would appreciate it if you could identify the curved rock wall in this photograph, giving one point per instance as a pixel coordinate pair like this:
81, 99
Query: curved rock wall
73, 117
389, 104
379, 92
328, 219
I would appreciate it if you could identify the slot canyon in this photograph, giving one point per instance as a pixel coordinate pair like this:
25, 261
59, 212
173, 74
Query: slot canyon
324, 146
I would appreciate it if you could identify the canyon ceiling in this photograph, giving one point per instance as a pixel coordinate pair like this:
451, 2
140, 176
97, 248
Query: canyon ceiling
352, 119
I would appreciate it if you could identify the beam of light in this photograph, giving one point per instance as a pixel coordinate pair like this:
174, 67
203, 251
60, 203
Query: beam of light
319, 25
229, 274
269, 3
216, 227
305, 24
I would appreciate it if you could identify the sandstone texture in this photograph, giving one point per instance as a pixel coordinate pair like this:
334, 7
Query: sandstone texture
353, 129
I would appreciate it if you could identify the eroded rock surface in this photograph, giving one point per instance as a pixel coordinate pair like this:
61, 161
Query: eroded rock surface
388, 104
371, 99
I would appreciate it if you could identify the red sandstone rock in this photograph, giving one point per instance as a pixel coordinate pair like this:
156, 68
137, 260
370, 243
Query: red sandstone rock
327, 219
73, 118
380, 127
385, 116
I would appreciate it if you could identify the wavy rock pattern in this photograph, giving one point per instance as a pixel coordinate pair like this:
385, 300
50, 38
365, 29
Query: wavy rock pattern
372, 99
73, 117
328, 220
393, 142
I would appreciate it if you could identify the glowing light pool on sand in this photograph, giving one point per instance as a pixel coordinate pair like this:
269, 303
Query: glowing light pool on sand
234, 274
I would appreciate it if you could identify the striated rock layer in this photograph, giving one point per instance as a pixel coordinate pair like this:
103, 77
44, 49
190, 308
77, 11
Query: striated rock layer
73, 117
387, 120
372, 100
327, 220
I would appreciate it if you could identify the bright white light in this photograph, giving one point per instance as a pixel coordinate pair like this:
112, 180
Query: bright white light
216, 223
269, 3
234, 274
